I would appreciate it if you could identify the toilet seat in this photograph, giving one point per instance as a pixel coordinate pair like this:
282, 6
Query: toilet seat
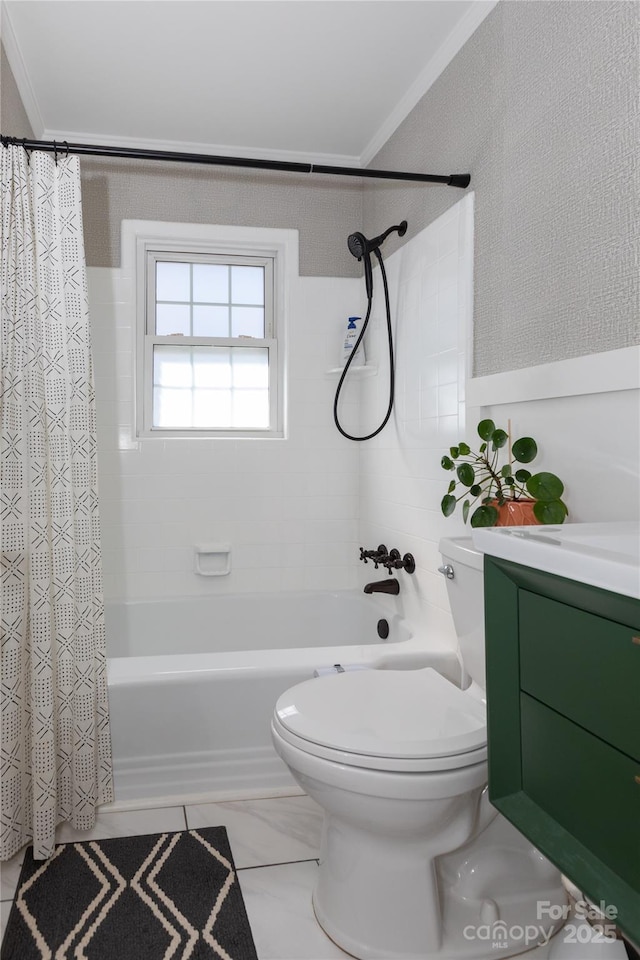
398, 720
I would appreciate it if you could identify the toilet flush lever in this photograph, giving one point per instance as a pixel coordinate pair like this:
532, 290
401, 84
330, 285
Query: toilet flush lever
447, 571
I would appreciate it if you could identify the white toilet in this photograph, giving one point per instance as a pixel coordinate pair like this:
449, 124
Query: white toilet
415, 863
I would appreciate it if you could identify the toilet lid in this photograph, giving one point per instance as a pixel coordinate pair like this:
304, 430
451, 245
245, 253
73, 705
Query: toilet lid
406, 714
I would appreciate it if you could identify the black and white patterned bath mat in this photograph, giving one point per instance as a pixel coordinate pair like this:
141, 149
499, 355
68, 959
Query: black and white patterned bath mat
168, 896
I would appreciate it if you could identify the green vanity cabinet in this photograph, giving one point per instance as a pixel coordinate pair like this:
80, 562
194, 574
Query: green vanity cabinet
563, 713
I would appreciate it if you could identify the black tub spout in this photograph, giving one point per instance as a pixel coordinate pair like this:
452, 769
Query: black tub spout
383, 586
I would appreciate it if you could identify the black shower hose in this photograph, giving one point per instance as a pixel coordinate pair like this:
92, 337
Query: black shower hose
392, 373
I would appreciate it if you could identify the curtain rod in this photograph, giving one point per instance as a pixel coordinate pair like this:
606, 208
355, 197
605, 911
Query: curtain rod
461, 180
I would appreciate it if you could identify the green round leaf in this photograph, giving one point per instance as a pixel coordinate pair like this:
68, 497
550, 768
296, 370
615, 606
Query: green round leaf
510, 482
466, 474
452, 486
545, 486
499, 439
483, 447
522, 476
485, 431
550, 511
464, 449
447, 463
524, 450
506, 470
448, 505
475, 490
484, 516
465, 510
454, 451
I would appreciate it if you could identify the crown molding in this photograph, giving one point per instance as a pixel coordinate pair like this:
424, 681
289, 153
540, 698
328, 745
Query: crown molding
445, 54
19, 70
465, 27
214, 149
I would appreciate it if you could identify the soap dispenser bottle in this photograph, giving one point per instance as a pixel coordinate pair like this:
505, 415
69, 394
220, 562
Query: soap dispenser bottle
353, 332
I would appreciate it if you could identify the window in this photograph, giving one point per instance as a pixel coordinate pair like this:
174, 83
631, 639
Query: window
210, 333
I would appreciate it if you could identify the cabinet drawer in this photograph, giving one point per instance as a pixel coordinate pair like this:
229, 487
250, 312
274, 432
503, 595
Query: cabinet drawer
584, 666
589, 788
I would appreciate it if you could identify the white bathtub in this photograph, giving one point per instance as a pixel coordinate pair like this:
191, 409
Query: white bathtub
192, 683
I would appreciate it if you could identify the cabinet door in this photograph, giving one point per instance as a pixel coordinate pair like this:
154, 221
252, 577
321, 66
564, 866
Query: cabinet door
584, 666
590, 789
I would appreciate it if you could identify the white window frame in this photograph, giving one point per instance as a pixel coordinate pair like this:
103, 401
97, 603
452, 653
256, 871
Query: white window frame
190, 242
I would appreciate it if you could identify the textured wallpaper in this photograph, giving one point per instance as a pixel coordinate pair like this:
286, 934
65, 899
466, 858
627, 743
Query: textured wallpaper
541, 107
324, 209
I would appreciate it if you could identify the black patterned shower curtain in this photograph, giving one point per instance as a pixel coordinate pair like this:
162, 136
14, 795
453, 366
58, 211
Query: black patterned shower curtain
55, 751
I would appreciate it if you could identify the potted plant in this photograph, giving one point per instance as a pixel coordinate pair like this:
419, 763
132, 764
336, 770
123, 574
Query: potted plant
508, 496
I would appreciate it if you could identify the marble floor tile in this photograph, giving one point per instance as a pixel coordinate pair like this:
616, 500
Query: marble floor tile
9, 874
278, 902
277, 896
263, 832
127, 823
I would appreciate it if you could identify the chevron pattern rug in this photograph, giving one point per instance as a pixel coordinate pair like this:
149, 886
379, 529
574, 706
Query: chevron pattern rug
169, 896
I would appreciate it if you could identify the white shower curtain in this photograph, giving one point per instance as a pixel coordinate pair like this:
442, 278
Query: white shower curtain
55, 757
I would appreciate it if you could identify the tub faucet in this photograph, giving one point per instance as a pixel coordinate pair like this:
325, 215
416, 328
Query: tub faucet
383, 586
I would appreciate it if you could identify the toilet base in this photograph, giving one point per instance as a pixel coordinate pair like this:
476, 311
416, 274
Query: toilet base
420, 866
485, 895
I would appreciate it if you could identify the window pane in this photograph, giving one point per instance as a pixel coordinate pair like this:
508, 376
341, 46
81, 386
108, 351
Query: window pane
247, 322
250, 409
172, 318
172, 281
212, 409
247, 285
171, 408
210, 321
251, 368
212, 367
211, 282
211, 388
172, 367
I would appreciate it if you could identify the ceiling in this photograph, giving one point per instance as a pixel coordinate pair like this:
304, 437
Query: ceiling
324, 80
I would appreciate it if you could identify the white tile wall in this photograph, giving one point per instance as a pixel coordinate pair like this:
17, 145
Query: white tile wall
296, 510
401, 481
287, 507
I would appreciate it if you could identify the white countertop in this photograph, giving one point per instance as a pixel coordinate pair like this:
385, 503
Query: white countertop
604, 555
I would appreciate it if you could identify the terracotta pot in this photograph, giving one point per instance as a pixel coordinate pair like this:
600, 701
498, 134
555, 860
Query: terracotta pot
516, 513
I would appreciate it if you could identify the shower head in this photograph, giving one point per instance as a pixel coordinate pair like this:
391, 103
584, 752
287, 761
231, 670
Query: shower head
361, 248
359, 245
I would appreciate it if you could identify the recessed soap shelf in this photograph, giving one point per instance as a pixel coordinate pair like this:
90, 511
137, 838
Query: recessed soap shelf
213, 559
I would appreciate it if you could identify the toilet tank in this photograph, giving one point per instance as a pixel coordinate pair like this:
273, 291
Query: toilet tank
466, 596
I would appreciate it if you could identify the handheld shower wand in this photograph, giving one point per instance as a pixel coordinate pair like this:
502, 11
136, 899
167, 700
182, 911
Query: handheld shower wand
361, 248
